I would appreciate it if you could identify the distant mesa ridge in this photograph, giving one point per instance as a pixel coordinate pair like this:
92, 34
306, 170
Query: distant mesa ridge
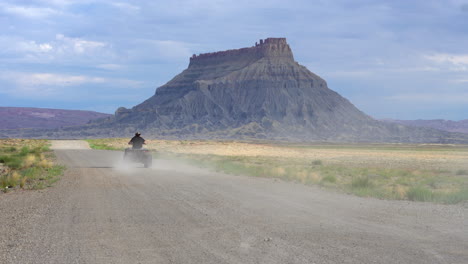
29, 117
440, 124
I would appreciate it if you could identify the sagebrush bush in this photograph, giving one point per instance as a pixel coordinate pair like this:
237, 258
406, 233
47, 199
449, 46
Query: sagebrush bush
362, 182
317, 162
29, 160
329, 178
420, 193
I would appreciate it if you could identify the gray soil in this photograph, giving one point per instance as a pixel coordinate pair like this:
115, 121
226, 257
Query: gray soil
104, 212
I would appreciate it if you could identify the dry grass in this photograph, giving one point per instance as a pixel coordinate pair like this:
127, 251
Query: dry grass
390, 171
26, 164
385, 155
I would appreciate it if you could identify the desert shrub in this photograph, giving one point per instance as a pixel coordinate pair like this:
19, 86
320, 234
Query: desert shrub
4, 159
399, 191
419, 193
24, 151
329, 178
11, 180
454, 197
45, 148
11, 149
23, 182
405, 181
3, 181
29, 160
316, 162
13, 162
361, 182
461, 172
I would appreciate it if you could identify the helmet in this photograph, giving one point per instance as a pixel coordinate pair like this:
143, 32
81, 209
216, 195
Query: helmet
137, 134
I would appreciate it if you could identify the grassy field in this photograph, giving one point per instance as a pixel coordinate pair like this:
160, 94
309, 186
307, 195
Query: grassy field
435, 173
27, 164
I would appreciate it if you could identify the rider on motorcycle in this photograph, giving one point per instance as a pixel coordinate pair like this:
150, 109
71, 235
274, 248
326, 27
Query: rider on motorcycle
137, 141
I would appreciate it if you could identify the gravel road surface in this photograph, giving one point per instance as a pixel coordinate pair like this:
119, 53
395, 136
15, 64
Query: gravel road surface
104, 212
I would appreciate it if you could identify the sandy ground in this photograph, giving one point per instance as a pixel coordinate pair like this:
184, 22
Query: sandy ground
104, 212
69, 144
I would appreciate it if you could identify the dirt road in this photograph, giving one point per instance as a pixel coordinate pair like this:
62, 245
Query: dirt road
101, 212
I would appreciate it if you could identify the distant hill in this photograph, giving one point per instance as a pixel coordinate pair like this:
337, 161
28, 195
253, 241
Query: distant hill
27, 117
440, 124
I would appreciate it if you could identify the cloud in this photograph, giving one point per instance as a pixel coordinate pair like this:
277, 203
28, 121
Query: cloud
449, 62
455, 59
57, 50
32, 46
125, 6
48, 79
29, 11
77, 45
61, 44
52, 84
60, 3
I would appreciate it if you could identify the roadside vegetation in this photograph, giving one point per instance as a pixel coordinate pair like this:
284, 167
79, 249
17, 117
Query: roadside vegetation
27, 164
427, 173
105, 144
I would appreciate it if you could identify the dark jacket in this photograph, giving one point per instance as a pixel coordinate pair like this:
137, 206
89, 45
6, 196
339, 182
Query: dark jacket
137, 142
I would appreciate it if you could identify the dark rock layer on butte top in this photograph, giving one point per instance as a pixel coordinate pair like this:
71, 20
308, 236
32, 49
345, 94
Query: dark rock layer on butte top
255, 92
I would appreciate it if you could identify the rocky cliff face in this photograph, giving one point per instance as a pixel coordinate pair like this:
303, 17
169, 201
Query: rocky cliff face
261, 88
255, 92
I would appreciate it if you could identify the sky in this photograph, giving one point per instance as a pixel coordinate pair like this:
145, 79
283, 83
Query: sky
400, 59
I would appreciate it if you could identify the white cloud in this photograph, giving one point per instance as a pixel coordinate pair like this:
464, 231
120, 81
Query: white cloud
449, 62
57, 50
61, 44
29, 11
52, 84
77, 45
455, 59
126, 6
60, 3
48, 79
32, 46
